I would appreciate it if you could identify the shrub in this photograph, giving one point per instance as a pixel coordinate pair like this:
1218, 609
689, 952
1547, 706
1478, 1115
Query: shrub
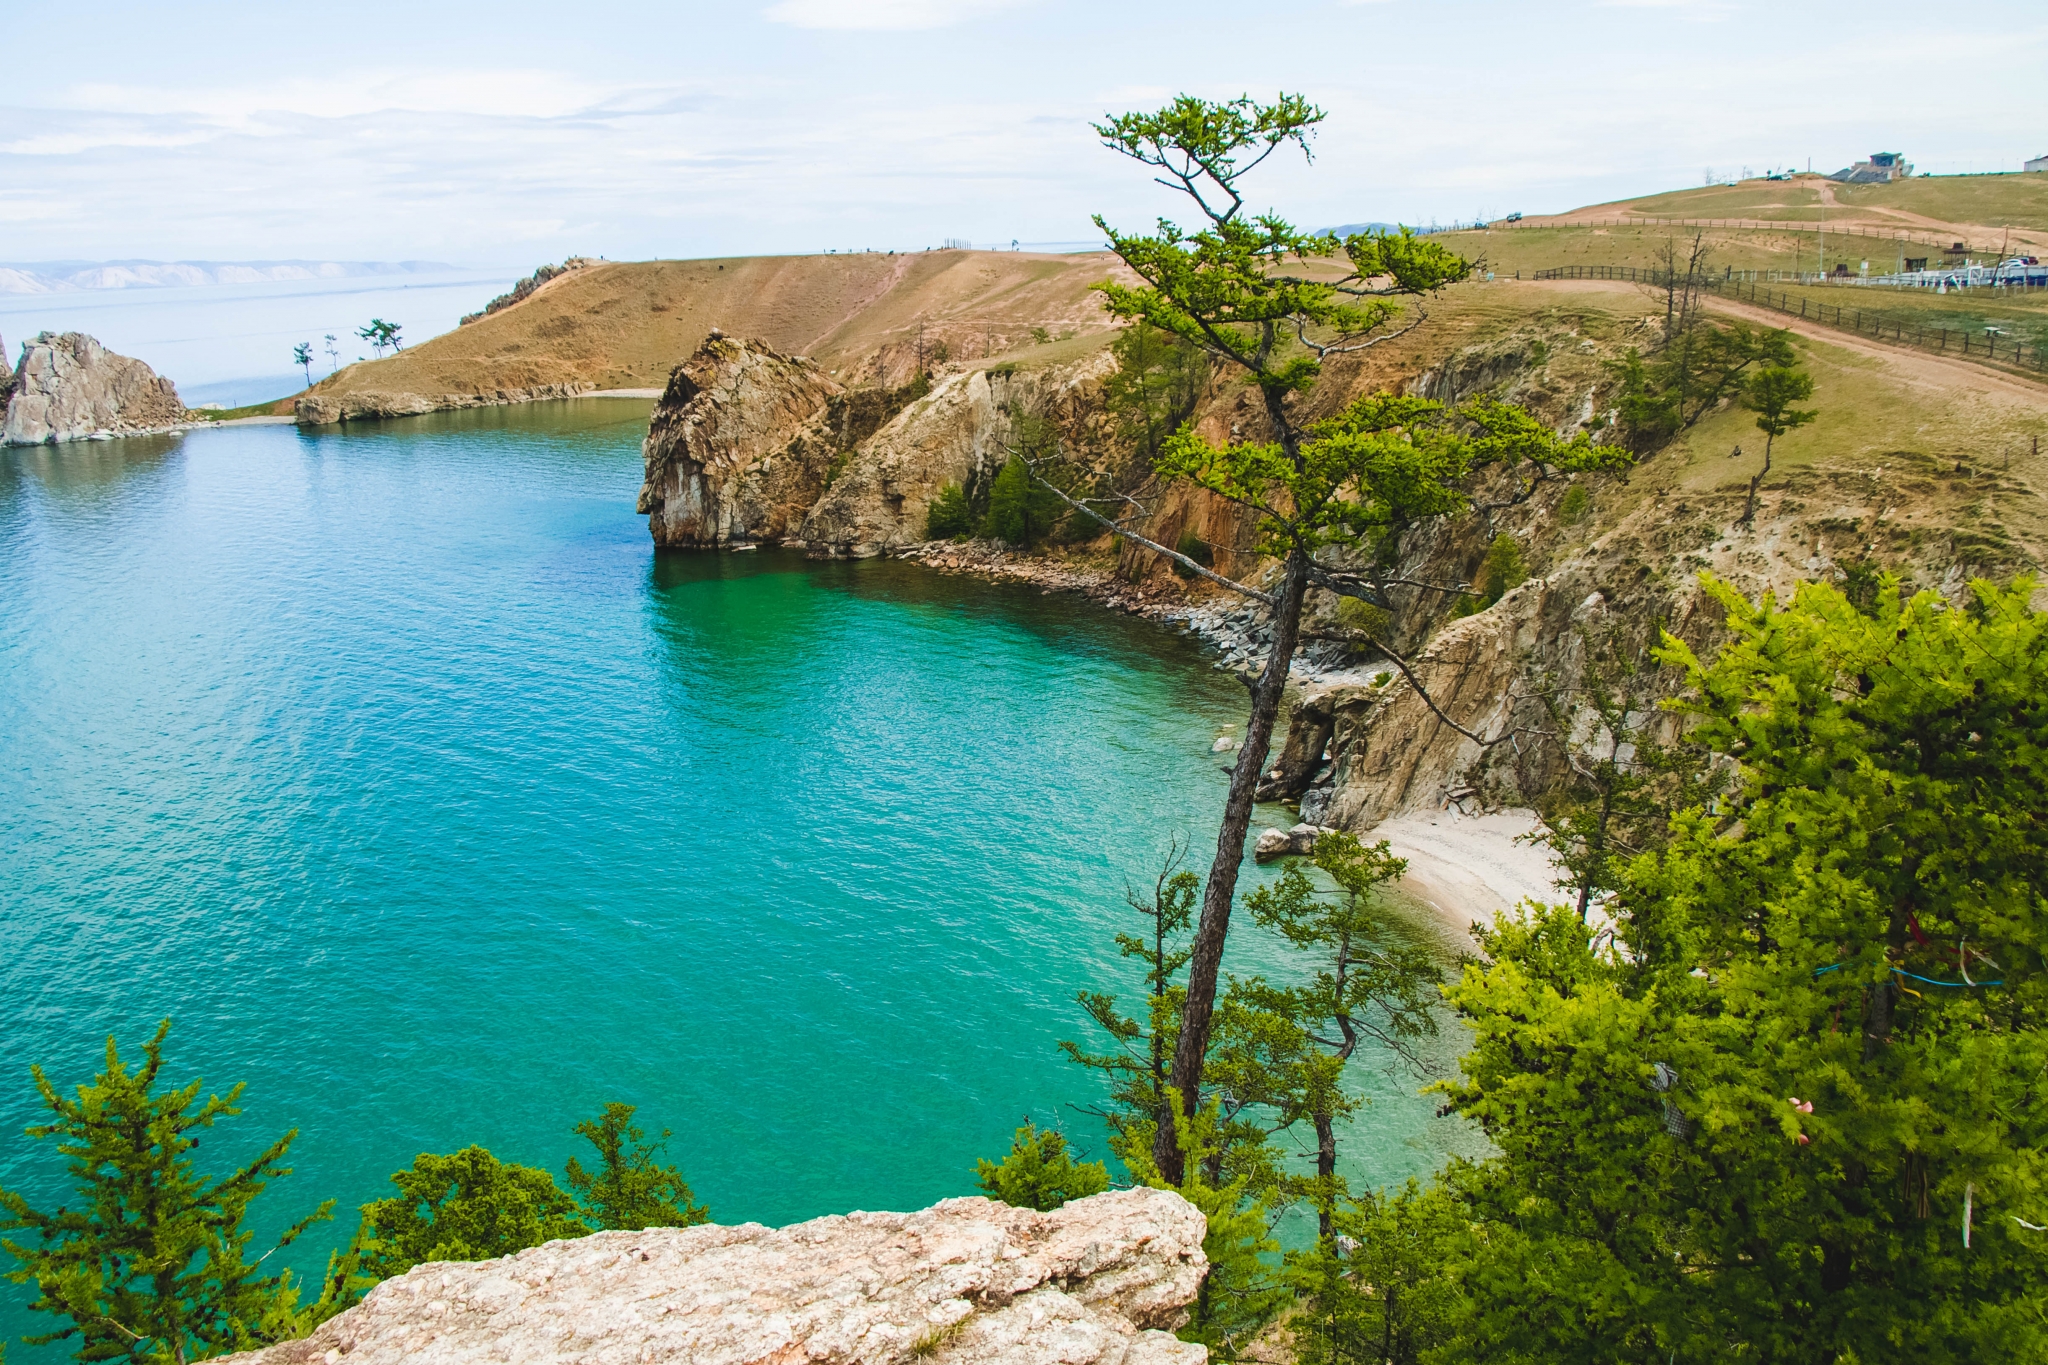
1195, 548
1577, 503
948, 515
1039, 1173
1020, 512
1363, 617
1502, 570
629, 1189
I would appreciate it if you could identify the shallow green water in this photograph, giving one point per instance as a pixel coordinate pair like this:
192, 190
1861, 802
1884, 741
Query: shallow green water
431, 802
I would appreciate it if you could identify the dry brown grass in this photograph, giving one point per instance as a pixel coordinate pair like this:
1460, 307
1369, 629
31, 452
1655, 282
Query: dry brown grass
626, 324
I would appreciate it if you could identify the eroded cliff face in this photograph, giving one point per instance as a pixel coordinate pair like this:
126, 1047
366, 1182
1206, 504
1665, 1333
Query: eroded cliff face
750, 446
960, 433
1102, 1281
71, 388
738, 448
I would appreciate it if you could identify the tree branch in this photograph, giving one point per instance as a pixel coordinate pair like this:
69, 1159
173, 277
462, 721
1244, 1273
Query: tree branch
1430, 701
1152, 545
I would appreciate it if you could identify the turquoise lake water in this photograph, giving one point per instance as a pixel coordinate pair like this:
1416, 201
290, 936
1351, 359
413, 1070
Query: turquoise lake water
401, 772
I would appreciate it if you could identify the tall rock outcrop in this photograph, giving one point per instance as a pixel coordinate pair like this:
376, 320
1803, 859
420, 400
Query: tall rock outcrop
1102, 1281
737, 449
744, 441
70, 388
951, 435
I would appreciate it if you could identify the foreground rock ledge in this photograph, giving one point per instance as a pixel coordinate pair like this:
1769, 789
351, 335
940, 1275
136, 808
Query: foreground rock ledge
1104, 1280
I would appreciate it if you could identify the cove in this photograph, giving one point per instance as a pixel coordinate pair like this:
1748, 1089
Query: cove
397, 768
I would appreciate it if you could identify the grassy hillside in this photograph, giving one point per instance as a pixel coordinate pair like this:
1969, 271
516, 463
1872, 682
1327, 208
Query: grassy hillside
625, 325
2014, 200
1944, 456
1922, 202
1542, 248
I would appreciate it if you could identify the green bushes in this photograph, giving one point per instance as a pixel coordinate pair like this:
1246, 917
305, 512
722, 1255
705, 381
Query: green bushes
1021, 511
1501, 571
464, 1206
1039, 1173
948, 515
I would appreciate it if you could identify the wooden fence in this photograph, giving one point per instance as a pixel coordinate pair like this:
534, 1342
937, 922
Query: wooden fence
1982, 345
1802, 227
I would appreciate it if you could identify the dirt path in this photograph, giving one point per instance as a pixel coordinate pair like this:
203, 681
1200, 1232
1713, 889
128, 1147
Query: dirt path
1910, 365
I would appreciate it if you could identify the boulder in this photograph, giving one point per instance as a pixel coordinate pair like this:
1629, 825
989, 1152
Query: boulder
1299, 841
69, 388
1102, 1281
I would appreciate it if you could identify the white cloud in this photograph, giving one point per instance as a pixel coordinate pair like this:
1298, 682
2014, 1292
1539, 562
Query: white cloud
882, 14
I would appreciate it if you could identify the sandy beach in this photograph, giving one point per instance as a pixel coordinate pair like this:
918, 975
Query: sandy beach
1467, 867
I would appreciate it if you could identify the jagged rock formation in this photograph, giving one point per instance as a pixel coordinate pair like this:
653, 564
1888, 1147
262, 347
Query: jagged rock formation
326, 409
880, 502
71, 388
751, 446
1101, 1281
746, 439
737, 449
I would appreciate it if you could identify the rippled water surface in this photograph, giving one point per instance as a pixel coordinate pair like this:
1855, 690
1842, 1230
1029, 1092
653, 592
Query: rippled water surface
428, 800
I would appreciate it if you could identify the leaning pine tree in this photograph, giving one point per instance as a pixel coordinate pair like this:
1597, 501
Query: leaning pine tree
1332, 499
150, 1263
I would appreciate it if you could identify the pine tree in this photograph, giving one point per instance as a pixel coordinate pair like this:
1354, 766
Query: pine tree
1251, 293
1040, 1173
948, 515
1366, 984
1784, 1104
153, 1264
630, 1189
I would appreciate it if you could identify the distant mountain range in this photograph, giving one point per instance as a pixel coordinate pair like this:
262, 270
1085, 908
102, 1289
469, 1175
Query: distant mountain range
59, 277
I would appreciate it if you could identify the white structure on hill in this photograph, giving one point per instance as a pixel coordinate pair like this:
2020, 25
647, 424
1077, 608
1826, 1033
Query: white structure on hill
2039, 163
1882, 167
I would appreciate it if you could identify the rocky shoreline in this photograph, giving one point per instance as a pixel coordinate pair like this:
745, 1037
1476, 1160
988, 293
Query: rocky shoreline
320, 409
1236, 630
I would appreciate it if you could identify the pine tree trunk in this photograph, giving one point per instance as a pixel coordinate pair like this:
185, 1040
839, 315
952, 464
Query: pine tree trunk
1221, 889
1326, 1175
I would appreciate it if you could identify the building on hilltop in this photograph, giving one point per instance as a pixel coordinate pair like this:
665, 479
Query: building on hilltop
1880, 169
2039, 163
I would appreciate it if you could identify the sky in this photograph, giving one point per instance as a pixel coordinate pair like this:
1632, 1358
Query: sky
510, 133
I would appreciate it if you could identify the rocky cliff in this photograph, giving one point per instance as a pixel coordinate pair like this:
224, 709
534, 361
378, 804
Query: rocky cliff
960, 433
751, 446
739, 446
1102, 1281
71, 388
